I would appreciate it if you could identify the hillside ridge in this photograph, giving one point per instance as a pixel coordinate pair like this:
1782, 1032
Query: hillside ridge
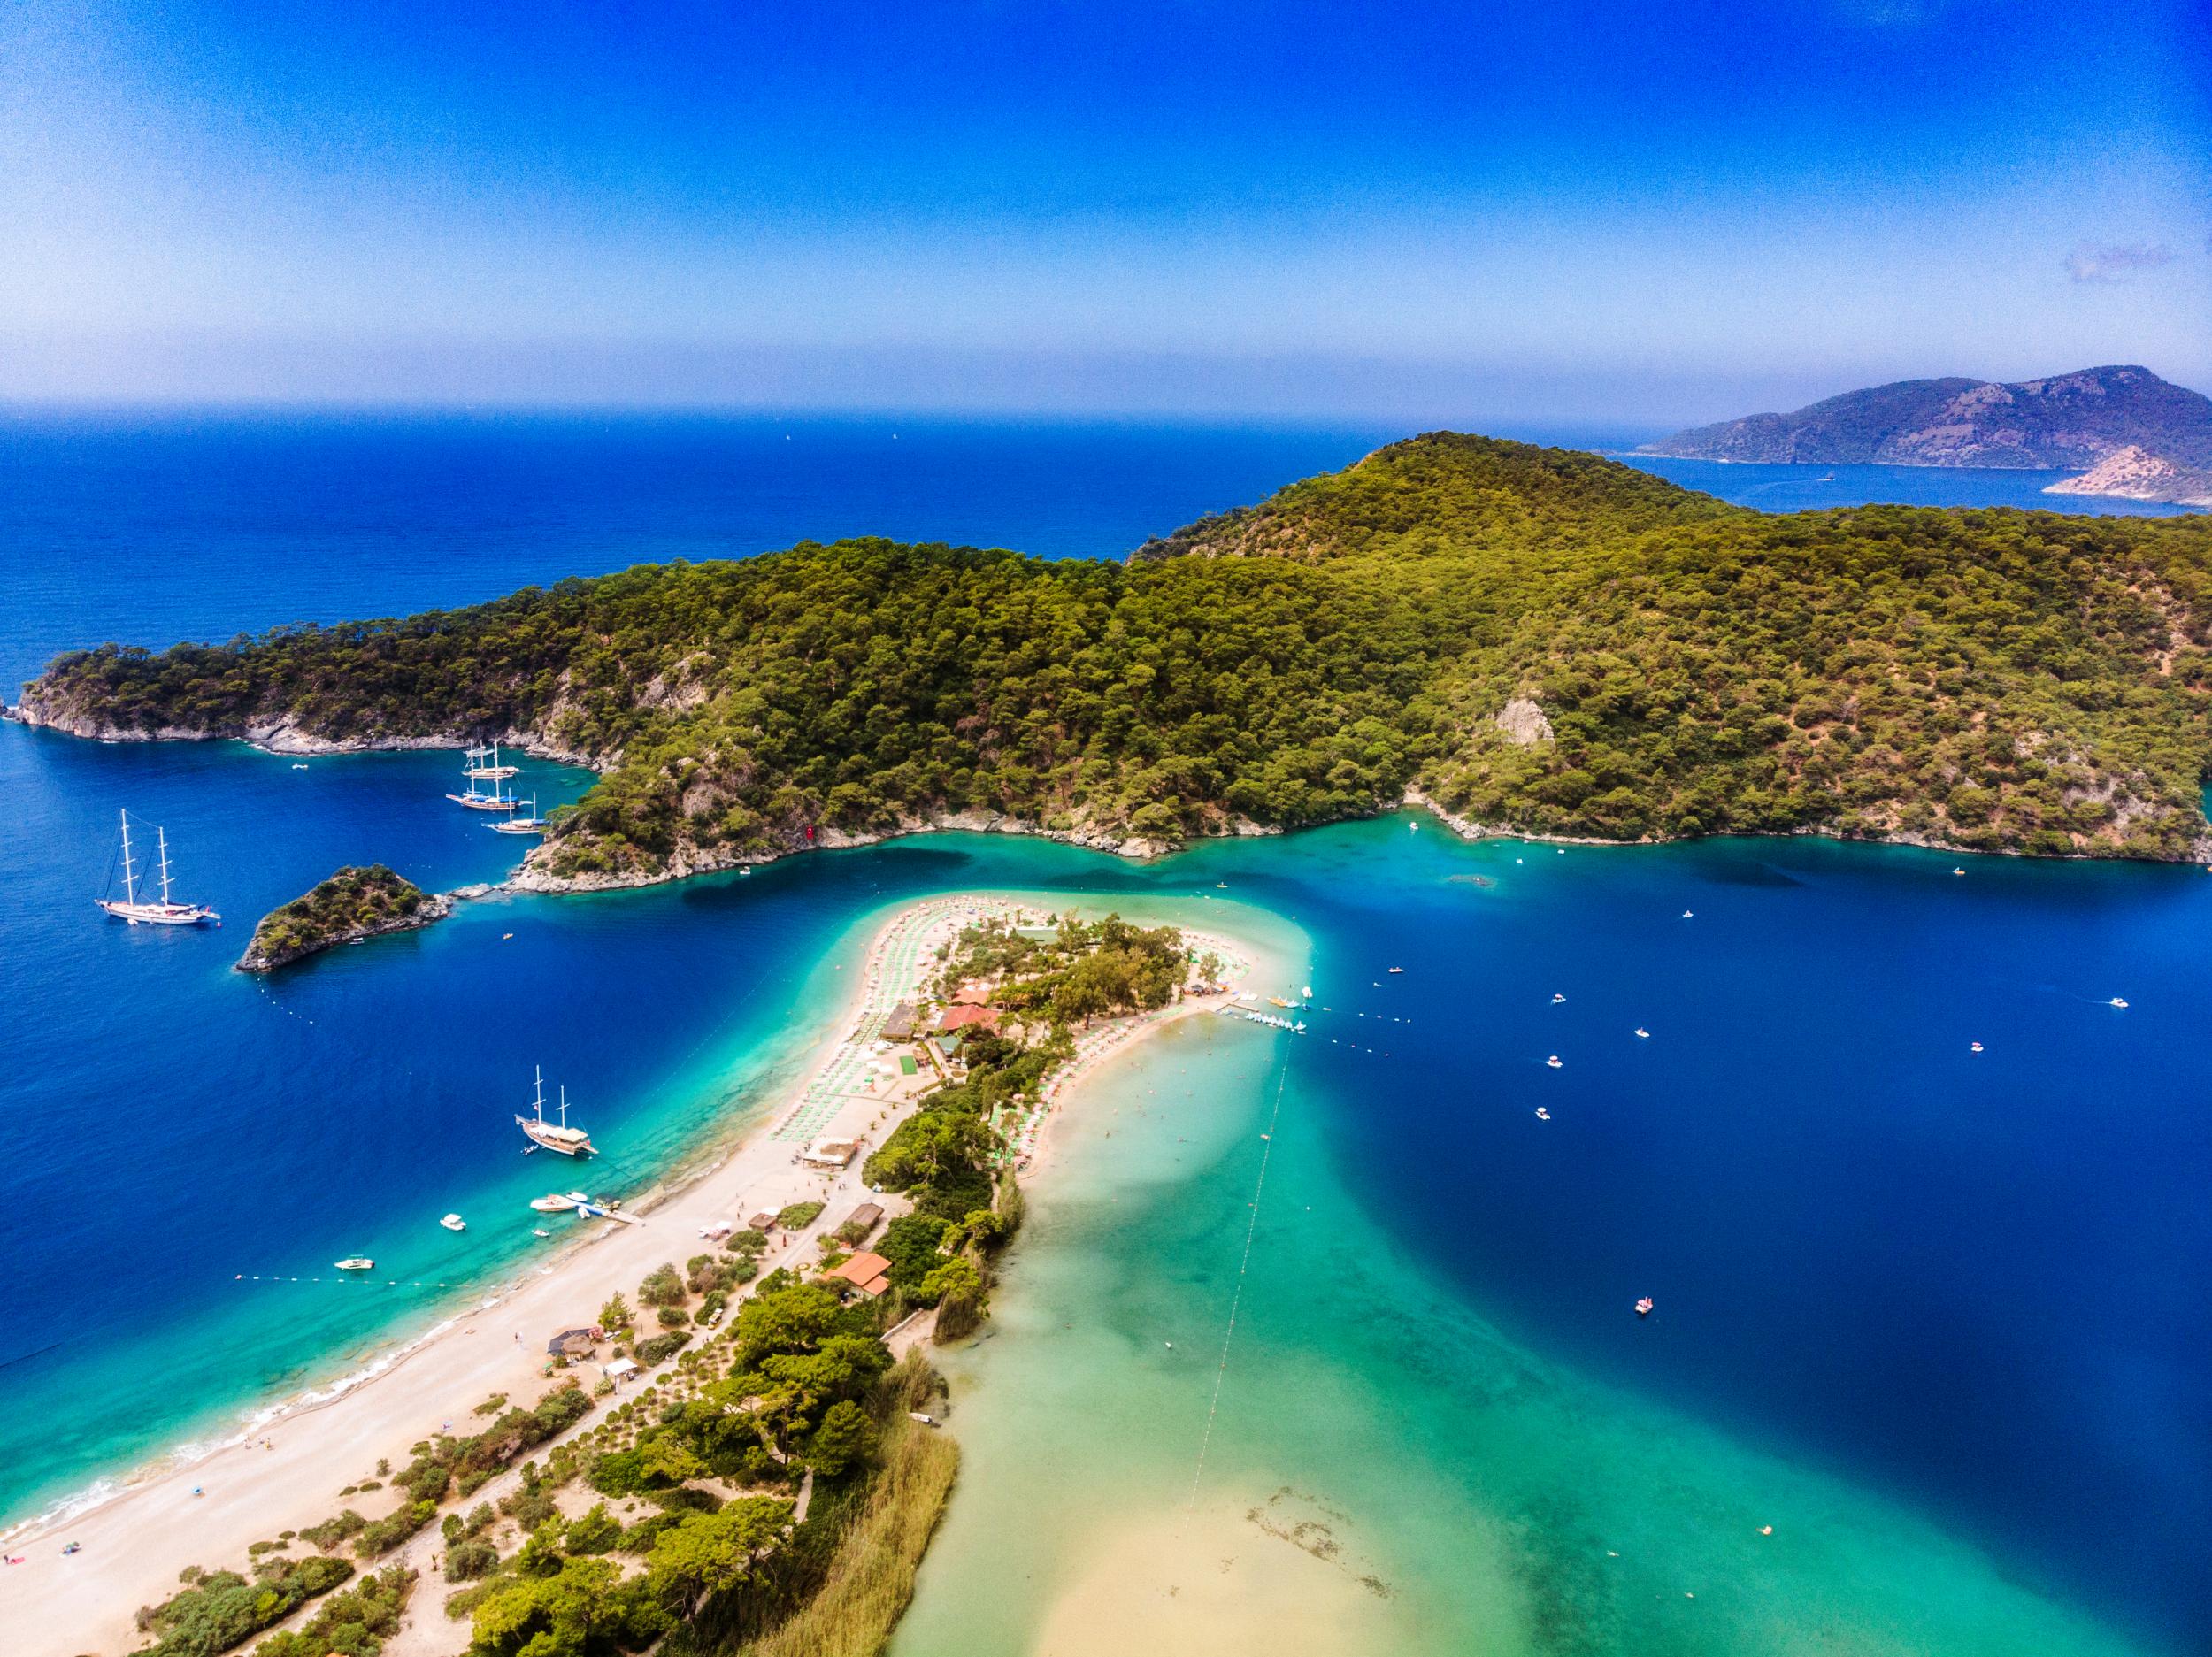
1539, 641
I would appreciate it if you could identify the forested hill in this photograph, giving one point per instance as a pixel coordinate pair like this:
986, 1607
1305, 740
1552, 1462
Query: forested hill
1537, 638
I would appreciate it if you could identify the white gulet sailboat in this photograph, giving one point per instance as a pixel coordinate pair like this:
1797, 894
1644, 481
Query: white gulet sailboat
552, 1137
484, 769
523, 822
485, 765
168, 911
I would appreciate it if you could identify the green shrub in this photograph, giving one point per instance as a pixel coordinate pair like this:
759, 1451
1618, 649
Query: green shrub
471, 1559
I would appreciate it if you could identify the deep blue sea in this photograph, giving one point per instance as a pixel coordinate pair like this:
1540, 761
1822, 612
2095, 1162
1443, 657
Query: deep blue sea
1978, 1284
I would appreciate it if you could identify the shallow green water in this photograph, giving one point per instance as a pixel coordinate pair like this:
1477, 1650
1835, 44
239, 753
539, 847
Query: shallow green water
1373, 1468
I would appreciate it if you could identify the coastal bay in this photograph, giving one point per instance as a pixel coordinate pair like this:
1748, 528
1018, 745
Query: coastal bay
1841, 1210
128, 1547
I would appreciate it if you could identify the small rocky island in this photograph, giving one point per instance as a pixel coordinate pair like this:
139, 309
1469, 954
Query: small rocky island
351, 905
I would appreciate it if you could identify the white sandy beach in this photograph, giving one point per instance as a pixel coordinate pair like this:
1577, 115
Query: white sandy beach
133, 1546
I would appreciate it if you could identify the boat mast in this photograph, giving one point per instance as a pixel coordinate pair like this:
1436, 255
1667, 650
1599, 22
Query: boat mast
161, 841
565, 1104
540, 1070
130, 880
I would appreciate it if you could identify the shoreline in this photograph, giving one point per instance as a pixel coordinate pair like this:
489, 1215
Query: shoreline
527, 878
139, 1529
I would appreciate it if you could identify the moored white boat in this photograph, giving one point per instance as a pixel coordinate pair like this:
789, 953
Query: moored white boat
522, 822
357, 1263
140, 912
454, 1222
485, 765
555, 1136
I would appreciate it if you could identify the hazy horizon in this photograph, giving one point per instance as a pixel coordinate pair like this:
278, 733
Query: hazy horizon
1447, 216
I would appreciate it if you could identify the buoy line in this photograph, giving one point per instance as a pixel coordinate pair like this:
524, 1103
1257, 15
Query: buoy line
1236, 1302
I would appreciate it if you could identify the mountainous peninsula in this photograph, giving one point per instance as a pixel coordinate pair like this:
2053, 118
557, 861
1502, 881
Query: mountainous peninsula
2137, 436
1536, 640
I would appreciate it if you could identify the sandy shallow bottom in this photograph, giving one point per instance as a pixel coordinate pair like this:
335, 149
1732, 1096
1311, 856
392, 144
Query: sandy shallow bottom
1267, 1574
1217, 1411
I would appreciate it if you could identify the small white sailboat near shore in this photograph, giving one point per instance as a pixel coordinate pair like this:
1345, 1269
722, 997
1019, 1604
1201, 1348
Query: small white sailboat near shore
140, 911
476, 799
523, 822
483, 793
559, 1136
454, 1222
485, 765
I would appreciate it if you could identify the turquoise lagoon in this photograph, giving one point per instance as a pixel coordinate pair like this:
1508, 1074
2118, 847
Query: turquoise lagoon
1939, 1317
1924, 1311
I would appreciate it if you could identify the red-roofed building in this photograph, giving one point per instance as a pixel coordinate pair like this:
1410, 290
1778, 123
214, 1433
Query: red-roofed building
867, 1272
965, 1014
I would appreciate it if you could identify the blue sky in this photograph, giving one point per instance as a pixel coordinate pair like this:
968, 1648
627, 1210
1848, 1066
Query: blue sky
1566, 211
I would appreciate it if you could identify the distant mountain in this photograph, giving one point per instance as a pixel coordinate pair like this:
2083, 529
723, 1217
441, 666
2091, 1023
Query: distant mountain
2077, 420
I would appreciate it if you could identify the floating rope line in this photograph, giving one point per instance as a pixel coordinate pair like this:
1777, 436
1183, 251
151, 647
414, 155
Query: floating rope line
1236, 1300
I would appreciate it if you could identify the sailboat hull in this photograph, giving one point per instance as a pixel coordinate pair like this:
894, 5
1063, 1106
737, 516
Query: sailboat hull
548, 1139
160, 914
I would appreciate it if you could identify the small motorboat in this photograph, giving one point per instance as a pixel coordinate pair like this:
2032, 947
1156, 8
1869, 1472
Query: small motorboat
454, 1222
299, 768
1643, 1306
2116, 1001
553, 1205
1686, 915
1958, 871
1397, 968
1642, 1034
1976, 1047
1557, 999
1542, 1114
539, 1231
1553, 1063
358, 1262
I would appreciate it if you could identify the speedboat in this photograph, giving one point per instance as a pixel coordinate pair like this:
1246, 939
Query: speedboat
358, 1262
540, 1232
1977, 1046
1643, 1306
454, 1222
1686, 915
1553, 1061
1397, 968
553, 1205
2116, 1001
1958, 871
1542, 1114
1557, 999
1642, 1032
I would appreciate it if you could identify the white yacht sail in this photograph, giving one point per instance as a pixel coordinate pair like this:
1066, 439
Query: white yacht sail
551, 1137
166, 912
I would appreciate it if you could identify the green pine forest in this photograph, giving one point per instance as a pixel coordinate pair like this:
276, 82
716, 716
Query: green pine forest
1992, 680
